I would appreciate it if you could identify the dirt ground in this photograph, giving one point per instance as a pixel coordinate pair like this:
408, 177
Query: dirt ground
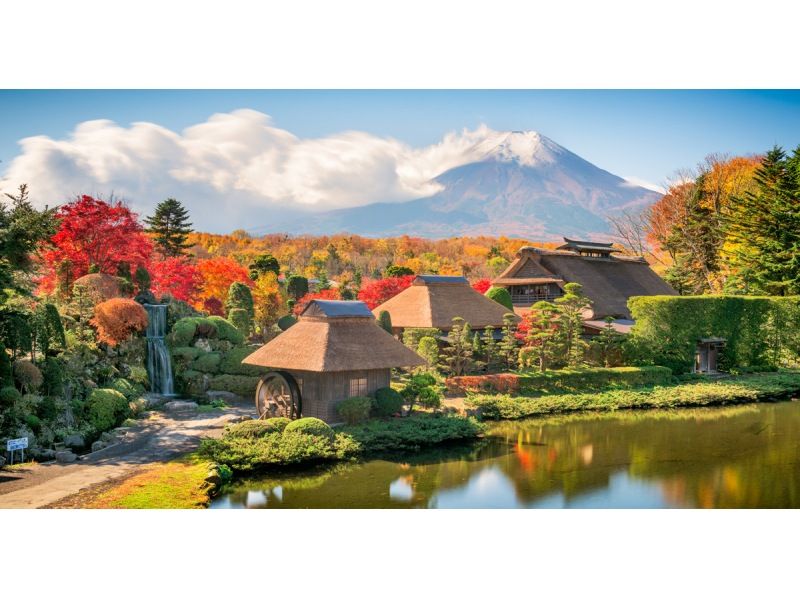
158, 438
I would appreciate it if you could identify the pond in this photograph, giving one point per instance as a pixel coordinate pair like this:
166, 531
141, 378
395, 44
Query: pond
730, 457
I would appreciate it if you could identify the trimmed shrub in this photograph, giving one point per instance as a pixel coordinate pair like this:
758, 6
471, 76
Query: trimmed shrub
106, 408
243, 386
421, 388
385, 321
501, 296
185, 330
232, 362
354, 410
117, 319
286, 322
309, 426
411, 433
387, 402
226, 331
505, 383
129, 390
185, 355
28, 376
239, 297
241, 320
593, 379
138, 375
207, 362
191, 382
9, 396
428, 349
412, 336
257, 428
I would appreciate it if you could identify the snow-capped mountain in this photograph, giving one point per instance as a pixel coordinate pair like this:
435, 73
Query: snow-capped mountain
518, 184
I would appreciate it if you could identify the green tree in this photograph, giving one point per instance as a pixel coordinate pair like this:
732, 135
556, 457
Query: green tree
508, 348
570, 309
608, 342
240, 296
297, 286
458, 351
240, 319
170, 227
428, 349
396, 271
501, 296
490, 349
764, 228
385, 321
543, 336
266, 262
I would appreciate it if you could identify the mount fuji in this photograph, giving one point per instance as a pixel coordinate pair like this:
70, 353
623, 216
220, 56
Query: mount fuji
517, 184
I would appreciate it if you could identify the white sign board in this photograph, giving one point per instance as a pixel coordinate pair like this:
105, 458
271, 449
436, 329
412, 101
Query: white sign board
17, 444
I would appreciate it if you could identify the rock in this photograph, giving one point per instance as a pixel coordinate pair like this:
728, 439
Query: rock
203, 345
107, 437
213, 477
181, 407
65, 456
221, 394
74, 441
2, 461
153, 399
98, 445
42, 455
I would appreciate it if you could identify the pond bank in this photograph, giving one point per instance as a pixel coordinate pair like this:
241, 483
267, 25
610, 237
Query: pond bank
747, 388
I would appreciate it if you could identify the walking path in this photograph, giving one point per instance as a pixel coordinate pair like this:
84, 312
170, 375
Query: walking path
160, 438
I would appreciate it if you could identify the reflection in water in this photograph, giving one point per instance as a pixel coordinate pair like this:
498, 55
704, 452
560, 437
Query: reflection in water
745, 456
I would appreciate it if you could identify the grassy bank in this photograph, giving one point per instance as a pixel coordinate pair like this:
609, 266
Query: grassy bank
262, 445
749, 388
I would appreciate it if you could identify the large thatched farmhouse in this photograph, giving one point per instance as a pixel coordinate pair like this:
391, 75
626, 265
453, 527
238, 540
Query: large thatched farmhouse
335, 351
433, 302
608, 280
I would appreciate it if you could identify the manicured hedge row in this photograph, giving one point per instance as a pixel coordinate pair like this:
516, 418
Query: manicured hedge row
744, 389
563, 380
760, 331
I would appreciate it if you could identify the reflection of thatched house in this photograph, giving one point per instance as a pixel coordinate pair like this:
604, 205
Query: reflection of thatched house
608, 280
433, 302
335, 351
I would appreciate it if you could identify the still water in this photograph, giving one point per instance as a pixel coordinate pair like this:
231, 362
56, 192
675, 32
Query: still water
746, 456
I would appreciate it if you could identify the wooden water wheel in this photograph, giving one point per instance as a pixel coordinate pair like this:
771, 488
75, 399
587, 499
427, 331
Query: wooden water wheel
278, 395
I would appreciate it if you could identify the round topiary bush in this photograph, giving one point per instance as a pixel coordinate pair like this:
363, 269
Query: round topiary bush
387, 402
286, 322
226, 331
501, 296
106, 408
257, 428
311, 426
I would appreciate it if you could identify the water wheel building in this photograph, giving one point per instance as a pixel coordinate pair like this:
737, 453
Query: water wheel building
607, 279
336, 350
433, 301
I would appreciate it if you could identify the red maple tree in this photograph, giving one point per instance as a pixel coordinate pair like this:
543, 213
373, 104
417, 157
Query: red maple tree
380, 291
482, 285
217, 275
92, 232
117, 319
175, 276
309, 297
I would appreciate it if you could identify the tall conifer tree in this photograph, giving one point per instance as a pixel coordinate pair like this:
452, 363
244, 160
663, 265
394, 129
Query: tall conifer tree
170, 227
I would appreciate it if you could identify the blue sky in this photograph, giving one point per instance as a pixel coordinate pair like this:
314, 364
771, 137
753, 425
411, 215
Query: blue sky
644, 134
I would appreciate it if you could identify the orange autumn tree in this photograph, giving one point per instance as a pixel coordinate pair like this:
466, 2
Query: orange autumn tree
216, 276
269, 300
117, 319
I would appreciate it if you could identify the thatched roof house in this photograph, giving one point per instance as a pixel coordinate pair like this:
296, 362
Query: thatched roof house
433, 302
335, 351
608, 280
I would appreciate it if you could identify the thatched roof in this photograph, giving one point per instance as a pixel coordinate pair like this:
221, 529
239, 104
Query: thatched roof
608, 281
588, 246
104, 286
433, 302
334, 336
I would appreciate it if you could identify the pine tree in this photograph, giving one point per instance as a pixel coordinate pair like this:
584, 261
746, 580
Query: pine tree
544, 333
385, 321
490, 350
428, 349
608, 342
170, 227
509, 346
569, 310
266, 262
458, 352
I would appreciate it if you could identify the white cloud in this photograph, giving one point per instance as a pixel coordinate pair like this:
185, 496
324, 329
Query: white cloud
637, 182
233, 165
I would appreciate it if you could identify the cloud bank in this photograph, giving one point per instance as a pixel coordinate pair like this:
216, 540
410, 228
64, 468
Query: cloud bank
233, 167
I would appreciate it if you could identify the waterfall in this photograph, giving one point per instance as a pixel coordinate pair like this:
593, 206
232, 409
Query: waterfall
159, 367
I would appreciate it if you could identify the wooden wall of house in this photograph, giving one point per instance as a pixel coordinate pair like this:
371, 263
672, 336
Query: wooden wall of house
321, 391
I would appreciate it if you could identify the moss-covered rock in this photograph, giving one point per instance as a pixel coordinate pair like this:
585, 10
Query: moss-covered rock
208, 362
186, 329
232, 362
185, 355
227, 331
243, 386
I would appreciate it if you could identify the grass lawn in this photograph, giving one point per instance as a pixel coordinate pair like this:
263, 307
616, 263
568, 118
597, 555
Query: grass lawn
178, 484
748, 388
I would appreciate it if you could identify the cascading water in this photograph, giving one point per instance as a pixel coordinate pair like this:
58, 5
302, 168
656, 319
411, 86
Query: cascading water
159, 367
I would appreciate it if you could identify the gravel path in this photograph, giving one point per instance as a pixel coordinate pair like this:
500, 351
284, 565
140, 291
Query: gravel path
159, 438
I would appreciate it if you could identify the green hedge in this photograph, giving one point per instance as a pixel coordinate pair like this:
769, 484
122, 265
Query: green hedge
232, 362
759, 331
593, 379
208, 362
243, 386
744, 389
185, 355
227, 331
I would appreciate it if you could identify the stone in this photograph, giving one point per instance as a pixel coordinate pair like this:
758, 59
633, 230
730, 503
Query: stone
203, 344
42, 455
98, 445
221, 394
75, 441
213, 477
2, 461
65, 456
181, 407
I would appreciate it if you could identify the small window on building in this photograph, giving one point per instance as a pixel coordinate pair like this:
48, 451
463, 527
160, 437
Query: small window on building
358, 387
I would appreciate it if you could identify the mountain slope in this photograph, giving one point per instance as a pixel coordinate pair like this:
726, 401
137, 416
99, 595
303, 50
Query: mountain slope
519, 184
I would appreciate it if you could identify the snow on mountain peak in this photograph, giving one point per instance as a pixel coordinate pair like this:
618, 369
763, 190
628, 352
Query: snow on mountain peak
528, 148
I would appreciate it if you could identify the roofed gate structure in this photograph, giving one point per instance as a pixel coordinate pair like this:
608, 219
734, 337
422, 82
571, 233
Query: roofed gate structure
608, 280
336, 350
433, 301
